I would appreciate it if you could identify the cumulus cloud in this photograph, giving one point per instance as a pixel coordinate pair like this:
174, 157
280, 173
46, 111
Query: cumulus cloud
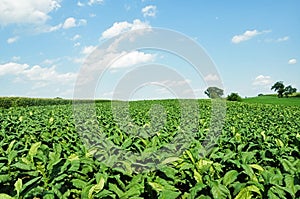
292, 61
149, 11
12, 40
36, 73
69, 23
249, 34
77, 44
77, 36
92, 2
262, 80
88, 50
132, 58
119, 27
80, 4
26, 12
281, 39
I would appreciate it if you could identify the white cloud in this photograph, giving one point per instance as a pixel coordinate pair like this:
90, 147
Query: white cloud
82, 22
262, 80
132, 58
149, 11
88, 50
12, 40
77, 44
80, 4
119, 27
26, 12
53, 28
75, 37
12, 68
249, 34
50, 61
283, 39
211, 77
292, 61
92, 2
36, 73
69, 23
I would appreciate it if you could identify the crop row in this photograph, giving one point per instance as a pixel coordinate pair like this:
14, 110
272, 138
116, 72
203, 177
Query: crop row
149, 151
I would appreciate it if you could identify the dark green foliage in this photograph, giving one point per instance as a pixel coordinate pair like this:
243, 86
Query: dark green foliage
7, 102
234, 97
289, 90
214, 92
279, 88
282, 90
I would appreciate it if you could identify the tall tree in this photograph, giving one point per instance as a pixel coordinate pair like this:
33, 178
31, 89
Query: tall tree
214, 92
289, 90
279, 88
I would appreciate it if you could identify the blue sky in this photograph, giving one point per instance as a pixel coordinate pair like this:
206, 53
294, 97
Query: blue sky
44, 44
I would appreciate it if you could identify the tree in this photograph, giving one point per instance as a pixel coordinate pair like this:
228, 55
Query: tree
234, 97
289, 90
279, 87
214, 92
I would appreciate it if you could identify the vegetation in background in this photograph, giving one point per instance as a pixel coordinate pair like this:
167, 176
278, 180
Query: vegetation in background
282, 90
256, 154
214, 92
7, 102
273, 99
234, 97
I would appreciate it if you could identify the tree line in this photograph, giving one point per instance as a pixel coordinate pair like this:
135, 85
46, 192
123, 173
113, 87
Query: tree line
279, 87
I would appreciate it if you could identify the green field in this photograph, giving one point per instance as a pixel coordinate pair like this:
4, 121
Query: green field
43, 155
273, 99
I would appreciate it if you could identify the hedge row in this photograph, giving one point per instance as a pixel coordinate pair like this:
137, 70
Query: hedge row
7, 102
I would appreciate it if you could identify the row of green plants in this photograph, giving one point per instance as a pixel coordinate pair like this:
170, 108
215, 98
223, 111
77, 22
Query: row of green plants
7, 102
48, 152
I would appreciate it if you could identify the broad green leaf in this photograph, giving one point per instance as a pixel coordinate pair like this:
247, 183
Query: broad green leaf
190, 156
18, 186
33, 149
22, 166
157, 187
277, 191
134, 191
279, 142
170, 160
5, 196
78, 183
289, 183
263, 135
230, 177
4, 178
73, 157
96, 188
31, 182
219, 191
11, 156
246, 192
257, 167
288, 166
10, 146
197, 176
168, 194
115, 188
